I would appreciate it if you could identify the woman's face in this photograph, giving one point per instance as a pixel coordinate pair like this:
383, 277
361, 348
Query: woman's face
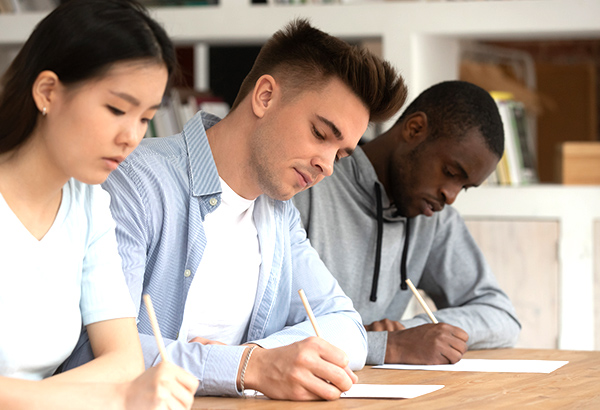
93, 126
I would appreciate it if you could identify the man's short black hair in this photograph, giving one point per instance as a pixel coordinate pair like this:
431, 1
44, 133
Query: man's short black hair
455, 107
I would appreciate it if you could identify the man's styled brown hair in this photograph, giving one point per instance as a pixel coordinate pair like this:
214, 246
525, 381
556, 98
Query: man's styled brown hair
301, 57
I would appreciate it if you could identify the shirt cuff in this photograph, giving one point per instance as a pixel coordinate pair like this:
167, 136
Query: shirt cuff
377, 345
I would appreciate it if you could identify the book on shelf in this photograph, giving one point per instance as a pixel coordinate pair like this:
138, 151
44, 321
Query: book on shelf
517, 165
524, 143
18, 6
9, 6
168, 3
178, 107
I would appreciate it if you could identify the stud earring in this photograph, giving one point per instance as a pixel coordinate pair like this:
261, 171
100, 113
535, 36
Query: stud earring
44, 111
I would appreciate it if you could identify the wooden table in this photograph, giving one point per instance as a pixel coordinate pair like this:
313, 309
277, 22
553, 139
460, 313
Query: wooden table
575, 385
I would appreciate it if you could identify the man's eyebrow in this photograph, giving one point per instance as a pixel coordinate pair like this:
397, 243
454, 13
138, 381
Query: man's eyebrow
132, 100
334, 129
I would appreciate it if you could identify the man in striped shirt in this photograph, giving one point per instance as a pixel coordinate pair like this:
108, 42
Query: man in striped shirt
205, 225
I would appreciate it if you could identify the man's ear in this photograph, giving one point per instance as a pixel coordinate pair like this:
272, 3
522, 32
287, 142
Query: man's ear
415, 128
262, 95
44, 90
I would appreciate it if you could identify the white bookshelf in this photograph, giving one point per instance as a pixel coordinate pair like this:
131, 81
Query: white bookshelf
423, 40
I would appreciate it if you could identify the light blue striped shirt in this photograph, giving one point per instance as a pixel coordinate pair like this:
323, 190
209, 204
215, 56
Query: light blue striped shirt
160, 197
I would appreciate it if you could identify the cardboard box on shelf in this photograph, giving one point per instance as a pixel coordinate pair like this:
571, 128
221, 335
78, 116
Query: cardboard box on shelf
578, 163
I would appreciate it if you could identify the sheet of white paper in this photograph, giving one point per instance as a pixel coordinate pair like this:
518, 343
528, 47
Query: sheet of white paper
389, 391
379, 391
485, 365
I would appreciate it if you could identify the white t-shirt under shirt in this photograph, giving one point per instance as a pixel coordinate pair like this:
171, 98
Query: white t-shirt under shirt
48, 288
227, 272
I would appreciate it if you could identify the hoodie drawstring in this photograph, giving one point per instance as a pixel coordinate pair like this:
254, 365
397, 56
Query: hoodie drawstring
403, 276
379, 237
403, 284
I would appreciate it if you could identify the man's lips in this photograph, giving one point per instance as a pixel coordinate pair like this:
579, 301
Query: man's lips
437, 206
429, 207
304, 179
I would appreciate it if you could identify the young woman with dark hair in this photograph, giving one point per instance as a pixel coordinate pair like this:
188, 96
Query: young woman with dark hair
73, 104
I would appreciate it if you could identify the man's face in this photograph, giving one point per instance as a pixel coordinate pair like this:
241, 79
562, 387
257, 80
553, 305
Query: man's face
433, 174
299, 139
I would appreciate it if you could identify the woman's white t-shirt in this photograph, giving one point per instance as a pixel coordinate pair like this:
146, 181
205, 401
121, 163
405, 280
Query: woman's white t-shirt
50, 287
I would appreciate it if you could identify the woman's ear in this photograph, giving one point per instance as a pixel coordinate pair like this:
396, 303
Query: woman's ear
44, 90
262, 95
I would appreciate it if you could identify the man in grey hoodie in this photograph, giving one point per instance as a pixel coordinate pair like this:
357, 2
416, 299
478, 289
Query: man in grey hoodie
381, 218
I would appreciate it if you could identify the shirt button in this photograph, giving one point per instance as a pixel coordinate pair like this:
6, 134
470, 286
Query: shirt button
187, 273
212, 201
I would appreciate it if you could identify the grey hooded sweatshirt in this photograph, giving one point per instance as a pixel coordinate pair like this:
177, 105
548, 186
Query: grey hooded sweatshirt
441, 258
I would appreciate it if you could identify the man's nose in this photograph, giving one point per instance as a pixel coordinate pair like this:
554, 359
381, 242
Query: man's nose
324, 165
450, 193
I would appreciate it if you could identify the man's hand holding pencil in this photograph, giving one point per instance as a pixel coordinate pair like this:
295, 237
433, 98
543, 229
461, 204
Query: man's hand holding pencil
432, 343
311, 369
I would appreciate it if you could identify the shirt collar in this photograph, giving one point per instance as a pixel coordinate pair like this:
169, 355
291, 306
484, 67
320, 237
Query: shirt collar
204, 177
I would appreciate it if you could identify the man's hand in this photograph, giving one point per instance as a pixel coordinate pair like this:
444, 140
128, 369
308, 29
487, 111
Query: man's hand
426, 344
311, 369
384, 325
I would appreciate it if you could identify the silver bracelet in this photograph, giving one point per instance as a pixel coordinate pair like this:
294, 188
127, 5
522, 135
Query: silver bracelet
243, 373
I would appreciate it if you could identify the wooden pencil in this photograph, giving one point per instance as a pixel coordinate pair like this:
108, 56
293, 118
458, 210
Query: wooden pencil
155, 329
421, 301
309, 312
